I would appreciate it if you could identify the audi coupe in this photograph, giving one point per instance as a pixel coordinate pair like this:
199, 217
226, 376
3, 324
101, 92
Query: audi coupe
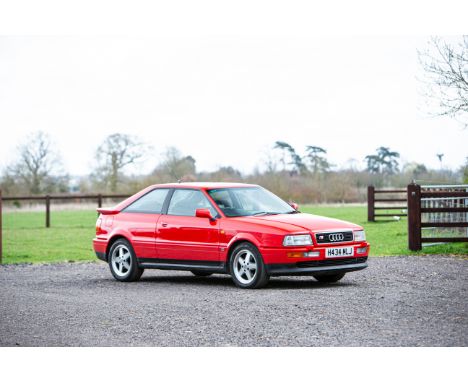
239, 229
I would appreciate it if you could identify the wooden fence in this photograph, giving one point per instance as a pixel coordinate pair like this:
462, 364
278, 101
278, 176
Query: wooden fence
380, 201
435, 201
419, 200
47, 199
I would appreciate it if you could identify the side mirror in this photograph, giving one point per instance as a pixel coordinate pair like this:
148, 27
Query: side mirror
203, 213
295, 206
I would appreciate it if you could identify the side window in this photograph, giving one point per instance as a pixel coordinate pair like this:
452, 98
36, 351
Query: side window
151, 203
186, 202
222, 198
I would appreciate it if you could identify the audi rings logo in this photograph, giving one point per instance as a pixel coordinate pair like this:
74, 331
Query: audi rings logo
336, 237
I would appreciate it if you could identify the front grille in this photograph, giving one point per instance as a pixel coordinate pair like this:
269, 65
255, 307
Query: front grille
324, 263
334, 237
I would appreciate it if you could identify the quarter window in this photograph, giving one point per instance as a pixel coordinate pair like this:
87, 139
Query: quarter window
151, 203
185, 202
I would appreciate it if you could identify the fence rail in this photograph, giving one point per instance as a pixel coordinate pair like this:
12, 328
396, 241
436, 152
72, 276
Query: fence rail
373, 203
47, 201
66, 197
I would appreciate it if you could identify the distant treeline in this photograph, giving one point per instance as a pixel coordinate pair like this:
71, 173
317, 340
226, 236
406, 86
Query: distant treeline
308, 178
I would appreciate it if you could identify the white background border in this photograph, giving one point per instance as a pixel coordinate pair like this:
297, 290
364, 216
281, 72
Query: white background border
245, 18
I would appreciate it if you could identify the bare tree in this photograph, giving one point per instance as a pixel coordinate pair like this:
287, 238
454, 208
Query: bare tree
38, 166
270, 161
175, 166
115, 153
445, 66
415, 169
226, 174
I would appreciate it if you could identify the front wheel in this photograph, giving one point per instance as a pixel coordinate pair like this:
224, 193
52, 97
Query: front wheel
247, 268
330, 278
123, 263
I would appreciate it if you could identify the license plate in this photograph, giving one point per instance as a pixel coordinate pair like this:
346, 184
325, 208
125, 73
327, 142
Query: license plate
339, 252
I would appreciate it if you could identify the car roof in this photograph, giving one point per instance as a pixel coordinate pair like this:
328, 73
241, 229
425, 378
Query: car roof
205, 185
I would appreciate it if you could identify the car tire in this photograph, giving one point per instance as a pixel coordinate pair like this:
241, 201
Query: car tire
247, 268
202, 273
330, 278
123, 263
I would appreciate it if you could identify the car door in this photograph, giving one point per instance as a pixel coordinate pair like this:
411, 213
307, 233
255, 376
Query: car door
140, 220
183, 236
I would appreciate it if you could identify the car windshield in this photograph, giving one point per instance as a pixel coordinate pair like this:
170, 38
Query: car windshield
249, 201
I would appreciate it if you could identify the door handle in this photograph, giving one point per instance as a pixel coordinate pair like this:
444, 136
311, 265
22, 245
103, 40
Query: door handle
164, 224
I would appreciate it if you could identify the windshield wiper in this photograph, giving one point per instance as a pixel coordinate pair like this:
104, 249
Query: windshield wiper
293, 212
263, 213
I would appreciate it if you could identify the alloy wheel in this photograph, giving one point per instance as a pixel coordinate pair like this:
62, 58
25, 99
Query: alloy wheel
121, 260
245, 266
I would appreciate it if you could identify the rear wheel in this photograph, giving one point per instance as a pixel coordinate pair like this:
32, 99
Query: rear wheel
123, 263
331, 278
247, 268
201, 273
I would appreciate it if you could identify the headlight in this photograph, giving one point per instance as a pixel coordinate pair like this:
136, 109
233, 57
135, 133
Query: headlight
359, 236
297, 240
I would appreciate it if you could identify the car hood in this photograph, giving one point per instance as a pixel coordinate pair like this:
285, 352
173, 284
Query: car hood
306, 222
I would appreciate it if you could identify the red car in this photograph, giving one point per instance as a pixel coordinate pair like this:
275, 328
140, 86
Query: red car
240, 229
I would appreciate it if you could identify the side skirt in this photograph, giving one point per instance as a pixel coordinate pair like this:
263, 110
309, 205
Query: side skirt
183, 265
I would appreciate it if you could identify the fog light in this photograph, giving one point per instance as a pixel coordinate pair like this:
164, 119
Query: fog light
304, 254
361, 250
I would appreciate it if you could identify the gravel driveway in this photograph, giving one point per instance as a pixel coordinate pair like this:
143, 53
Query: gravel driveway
397, 301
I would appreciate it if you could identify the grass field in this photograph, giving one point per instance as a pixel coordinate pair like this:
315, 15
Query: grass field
69, 239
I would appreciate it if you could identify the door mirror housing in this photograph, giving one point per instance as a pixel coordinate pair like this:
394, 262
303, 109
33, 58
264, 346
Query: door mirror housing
295, 206
203, 213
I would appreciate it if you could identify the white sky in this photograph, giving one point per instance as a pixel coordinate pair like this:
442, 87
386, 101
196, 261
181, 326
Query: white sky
222, 99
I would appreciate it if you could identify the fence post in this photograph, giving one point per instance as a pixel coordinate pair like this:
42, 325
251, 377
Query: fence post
99, 202
414, 217
1, 229
370, 203
47, 200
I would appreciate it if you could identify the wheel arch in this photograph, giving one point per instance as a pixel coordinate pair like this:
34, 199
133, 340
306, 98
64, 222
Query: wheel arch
111, 242
235, 243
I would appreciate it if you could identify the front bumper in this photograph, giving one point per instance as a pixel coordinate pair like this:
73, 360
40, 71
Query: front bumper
281, 255
317, 267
